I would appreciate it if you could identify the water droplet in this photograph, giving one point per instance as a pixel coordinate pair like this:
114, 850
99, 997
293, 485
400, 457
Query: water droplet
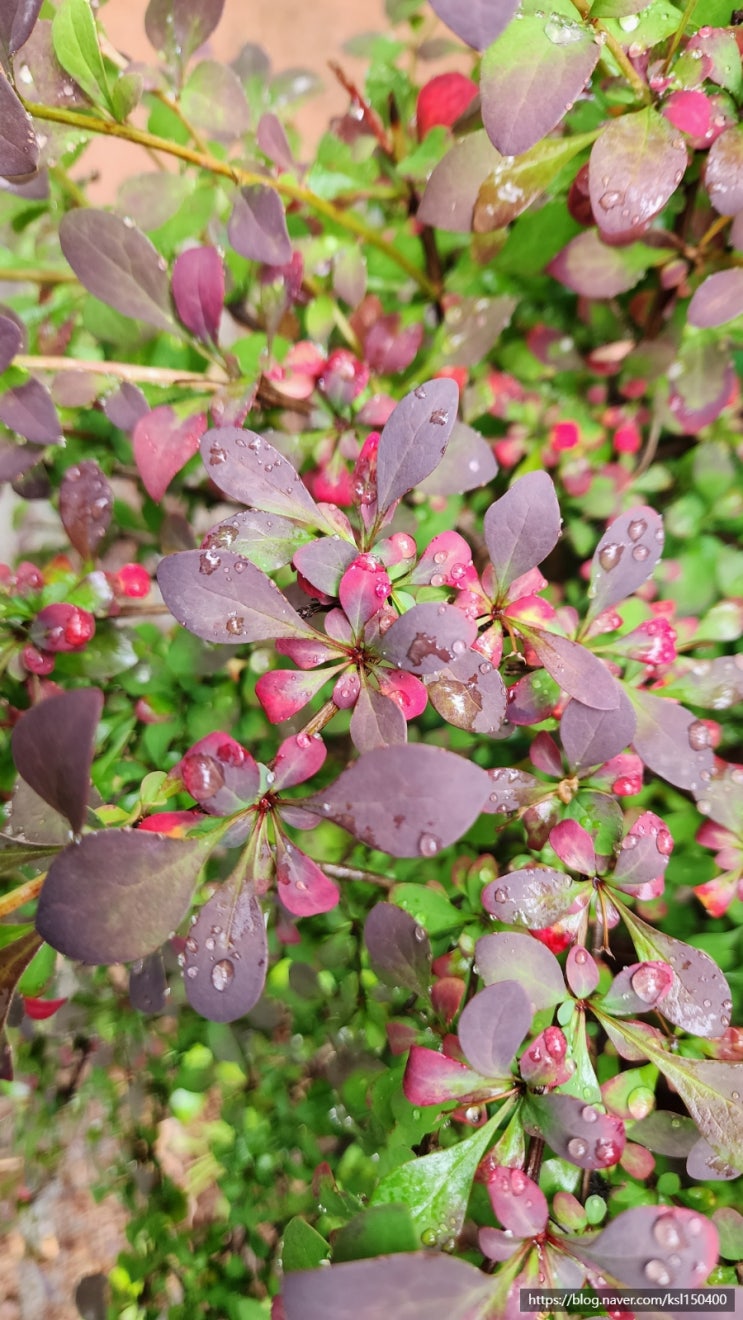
192, 973
420, 934
519, 1182
577, 1148
607, 1152
192, 945
222, 974
209, 562
636, 529
439, 417
656, 1272
235, 625
699, 736
589, 1114
561, 32
610, 556
629, 841
459, 647
428, 845
648, 983
664, 843
608, 200
640, 553
580, 957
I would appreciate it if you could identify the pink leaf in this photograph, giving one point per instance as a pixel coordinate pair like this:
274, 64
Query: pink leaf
302, 887
298, 759
574, 847
283, 692
364, 589
518, 1202
163, 445
198, 290
432, 1078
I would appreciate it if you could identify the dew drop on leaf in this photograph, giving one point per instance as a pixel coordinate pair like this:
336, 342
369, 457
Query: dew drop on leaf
656, 1272
640, 552
428, 845
699, 736
610, 556
577, 1147
222, 974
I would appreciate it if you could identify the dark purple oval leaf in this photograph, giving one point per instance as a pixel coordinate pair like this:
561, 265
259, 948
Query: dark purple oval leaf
723, 798
470, 694
636, 164
323, 562
723, 172
118, 264
522, 527
471, 328
409, 801
638, 988
667, 739
428, 638
16, 460
532, 698
553, 53
510, 790
11, 340
117, 895
576, 1132
653, 1246
704, 386
125, 406
578, 671
718, 299
625, 557
479, 22
273, 142
594, 270
666, 1133
19, 151
644, 852
52, 749
251, 471
534, 897
414, 439
148, 984
704, 1163
590, 737
454, 186
408, 1286
493, 1025
399, 949
29, 411
468, 463
699, 999
226, 956
198, 290
17, 19
257, 227
85, 504
377, 721
179, 27
222, 597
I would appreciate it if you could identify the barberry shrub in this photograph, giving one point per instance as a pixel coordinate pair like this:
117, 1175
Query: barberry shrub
392, 504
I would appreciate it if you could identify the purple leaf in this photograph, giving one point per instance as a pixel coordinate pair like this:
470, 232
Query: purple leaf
152, 199
414, 439
377, 721
532, 698
125, 406
723, 799
226, 955
590, 737
493, 1025
399, 949
179, 27
273, 142
17, 19
454, 186
213, 101
29, 411
470, 694
363, 591
510, 955
521, 528
576, 1132
163, 445
723, 172
148, 984
699, 999
299, 758
409, 801
715, 684
574, 847
666, 1133
703, 388
718, 299
117, 895
578, 671
428, 638
637, 162
703, 1163
472, 326
594, 270
510, 790
625, 557
518, 1202
222, 597
581, 971
198, 291
53, 750
323, 562
644, 853
479, 22
432, 1079
638, 988
515, 182
408, 1286
251, 471
468, 463
19, 151
554, 54
16, 460
117, 263
534, 897
667, 740
257, 227
301, 885
11, 340
653, 1246
85, 504
265, 539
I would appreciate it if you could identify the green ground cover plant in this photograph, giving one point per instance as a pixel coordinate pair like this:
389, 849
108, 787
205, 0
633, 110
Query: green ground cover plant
373, 694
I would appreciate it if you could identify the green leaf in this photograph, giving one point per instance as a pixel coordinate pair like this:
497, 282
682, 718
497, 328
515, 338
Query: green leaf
710, 1090
656, 22
125, 95
38, 972
303, 1248
379, 1231
14, 855
514, 182
14, 960
436, 1188
431, 909
75, 39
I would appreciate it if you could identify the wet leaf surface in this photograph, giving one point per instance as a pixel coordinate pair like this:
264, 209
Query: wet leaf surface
654, 1246
377, 721
718, 299
251, 471
666, 739
575, 1131
595, 270
163, 445
414, 439
399, 949
52, 748
17, 19
179, 27
522, 527
624, 558
478, 23
85, 506
29, 411
148, 985
508, 955
590, 737
19, 151
257, 228
578, 671
723, 172
407, 1286
637, 162
699, 999
492, 1026
117, 263
533, 897
226, 955
222, 597
428, 638
518, 1202
470, 694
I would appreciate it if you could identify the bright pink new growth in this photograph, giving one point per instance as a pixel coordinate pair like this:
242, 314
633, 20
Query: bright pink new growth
198, 290
163, 445
574, 847
407, 692
302, 887
220, 774
442, 100
517, 1202
298, 759
284, 692
132, 581
343, 378
364, 589
41, 1009
691, 111
37, 662
365, 472
653, 642
545, 1062
174, 823
432, 1078
564, 435
62, 627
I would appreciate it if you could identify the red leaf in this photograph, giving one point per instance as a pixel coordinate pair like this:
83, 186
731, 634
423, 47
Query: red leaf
442, 100
163, 445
